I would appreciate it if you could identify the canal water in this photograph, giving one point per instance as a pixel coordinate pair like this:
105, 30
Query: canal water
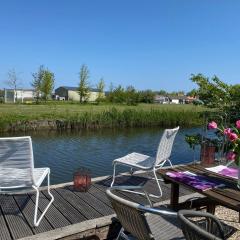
65, 152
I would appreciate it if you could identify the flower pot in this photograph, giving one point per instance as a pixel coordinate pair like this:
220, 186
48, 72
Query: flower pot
207, 154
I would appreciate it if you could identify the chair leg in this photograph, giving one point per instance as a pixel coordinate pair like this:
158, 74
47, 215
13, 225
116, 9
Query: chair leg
159, 187
37, 222
120, 234
114, 174
170, 162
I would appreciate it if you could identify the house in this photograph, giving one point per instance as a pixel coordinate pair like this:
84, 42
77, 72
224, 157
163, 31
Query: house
71, 93
178, 99
191, 99
22, 95
161, 99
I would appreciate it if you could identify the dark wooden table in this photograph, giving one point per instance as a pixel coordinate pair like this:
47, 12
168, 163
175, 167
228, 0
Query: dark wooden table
228, 196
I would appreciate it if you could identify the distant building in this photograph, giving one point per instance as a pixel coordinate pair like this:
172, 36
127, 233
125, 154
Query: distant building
178, 99
71, 93
191, 99
22, 95
161, 99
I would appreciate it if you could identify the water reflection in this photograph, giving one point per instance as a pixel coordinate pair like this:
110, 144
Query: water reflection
64, 152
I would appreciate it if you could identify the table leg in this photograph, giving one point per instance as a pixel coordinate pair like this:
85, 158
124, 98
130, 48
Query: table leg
211, 208
174, 196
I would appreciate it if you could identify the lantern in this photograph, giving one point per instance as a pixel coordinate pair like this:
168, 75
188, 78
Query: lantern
82, 179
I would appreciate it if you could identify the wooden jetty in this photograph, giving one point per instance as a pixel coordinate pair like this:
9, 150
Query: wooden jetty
73, 214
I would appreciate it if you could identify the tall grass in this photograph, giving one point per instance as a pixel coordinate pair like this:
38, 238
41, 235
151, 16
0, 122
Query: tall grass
106, 118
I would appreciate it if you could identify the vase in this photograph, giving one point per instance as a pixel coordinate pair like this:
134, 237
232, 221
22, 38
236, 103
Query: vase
207, 154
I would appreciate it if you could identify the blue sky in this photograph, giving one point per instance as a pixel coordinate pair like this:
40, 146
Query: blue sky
150, 44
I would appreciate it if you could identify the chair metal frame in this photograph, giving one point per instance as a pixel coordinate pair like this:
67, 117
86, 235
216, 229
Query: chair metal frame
190, 229
157, 163
30, 173
140, 208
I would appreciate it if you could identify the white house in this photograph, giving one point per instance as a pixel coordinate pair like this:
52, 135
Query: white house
11, 95
161, 99
178, 99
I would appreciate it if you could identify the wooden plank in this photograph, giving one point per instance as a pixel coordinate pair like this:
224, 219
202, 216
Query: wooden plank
125, 195
100, 194
54, 217
4, 232
68, 211
120, 194
77, 228
27, 206
95, 203
15, 220
84, 208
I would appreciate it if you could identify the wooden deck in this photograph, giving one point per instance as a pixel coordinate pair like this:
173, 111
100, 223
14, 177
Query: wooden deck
71, 214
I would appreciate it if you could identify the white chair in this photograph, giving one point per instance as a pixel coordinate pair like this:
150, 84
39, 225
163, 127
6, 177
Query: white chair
17, 170
146, 163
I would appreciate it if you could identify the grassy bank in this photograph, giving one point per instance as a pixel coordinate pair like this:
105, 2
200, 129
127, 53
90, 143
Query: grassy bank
17, 117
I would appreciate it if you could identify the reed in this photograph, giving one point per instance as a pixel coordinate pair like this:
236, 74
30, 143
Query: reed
111, 117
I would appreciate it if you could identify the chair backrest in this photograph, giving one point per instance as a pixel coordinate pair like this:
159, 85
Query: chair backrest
130, 216
16, 163
165, 145
200, 225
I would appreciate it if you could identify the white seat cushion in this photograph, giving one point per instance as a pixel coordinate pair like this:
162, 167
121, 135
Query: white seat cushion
137, 160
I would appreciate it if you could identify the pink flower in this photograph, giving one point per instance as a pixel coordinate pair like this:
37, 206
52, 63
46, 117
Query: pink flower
231, 155
212, 125
238, 124
232, 137
227, 131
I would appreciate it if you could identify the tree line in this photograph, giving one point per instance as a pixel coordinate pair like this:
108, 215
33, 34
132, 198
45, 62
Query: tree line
44, 80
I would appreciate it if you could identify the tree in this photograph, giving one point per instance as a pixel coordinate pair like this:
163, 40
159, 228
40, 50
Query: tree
83, 89
146, 96
100, 88
131, 96
213, 92
162, 92
13, 82
193, 93
47, 84
118, 95
37, 81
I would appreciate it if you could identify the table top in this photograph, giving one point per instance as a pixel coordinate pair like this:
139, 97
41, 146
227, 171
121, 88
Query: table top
228, 195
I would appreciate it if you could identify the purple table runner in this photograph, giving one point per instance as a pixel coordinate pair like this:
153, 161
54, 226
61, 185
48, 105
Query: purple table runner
225, 171
197, 181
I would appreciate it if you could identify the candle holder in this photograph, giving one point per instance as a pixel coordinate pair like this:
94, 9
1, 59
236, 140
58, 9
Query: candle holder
82, 179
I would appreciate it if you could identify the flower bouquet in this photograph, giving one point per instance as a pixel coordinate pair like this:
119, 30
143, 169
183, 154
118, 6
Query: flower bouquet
232, 134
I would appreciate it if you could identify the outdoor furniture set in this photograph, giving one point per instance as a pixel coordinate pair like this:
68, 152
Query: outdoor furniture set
146, 222
17, 172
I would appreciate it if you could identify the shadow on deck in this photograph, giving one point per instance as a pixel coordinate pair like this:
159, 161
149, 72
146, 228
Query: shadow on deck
73, 215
